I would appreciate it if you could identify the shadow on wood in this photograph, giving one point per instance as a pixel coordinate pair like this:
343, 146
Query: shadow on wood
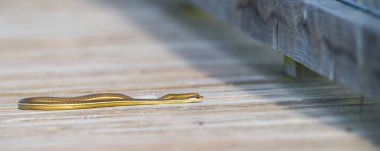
318, 98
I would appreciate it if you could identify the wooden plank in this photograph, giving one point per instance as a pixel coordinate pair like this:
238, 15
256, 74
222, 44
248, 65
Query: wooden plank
370, 6
154, 48
317, 34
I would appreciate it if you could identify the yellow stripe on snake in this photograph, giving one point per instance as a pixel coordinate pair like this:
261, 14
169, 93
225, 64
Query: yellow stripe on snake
101, 100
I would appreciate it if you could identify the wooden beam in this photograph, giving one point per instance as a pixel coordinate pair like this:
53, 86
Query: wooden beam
329, 37
370, 6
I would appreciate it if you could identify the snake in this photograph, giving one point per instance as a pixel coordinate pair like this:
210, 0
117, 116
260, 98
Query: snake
101, 100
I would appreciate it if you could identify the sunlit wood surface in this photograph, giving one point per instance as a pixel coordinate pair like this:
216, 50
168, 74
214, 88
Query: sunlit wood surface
150, 48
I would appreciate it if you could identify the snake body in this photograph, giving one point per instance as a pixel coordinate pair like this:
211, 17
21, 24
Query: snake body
101, 100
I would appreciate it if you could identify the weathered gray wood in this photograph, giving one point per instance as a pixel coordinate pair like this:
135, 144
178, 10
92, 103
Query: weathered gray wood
146, 49
371, 6
331, 38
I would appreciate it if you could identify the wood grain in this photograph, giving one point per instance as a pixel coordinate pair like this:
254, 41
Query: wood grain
370, 6
150, 48
336, 40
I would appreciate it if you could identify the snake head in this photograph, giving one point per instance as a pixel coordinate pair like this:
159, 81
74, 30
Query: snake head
186, 96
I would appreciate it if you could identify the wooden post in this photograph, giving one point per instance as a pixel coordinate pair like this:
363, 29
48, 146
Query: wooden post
297, 70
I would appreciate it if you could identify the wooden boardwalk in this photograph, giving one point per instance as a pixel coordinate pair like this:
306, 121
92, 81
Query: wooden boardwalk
147, 49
